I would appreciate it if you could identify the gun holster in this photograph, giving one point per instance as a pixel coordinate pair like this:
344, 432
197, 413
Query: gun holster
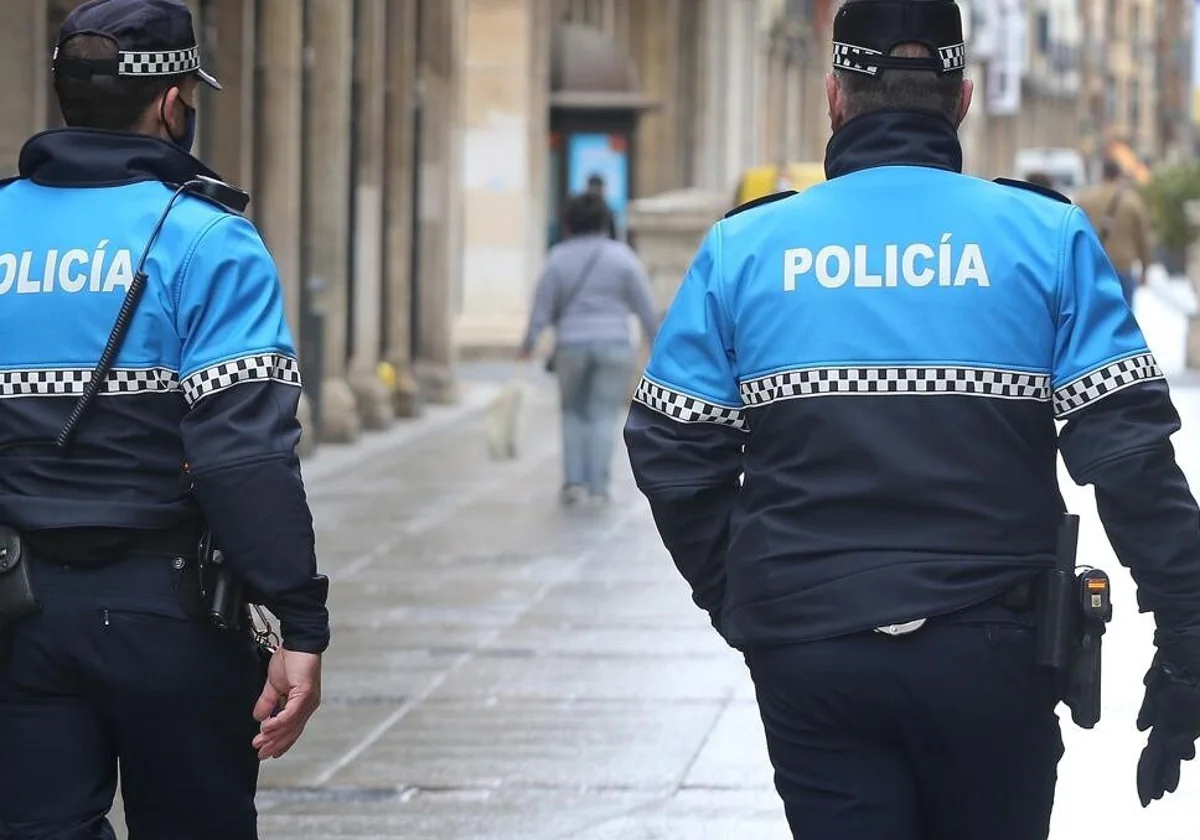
1076, 622
220, 588
226, 599
17, 596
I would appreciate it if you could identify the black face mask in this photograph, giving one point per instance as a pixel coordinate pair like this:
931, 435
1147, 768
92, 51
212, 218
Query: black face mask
189, 135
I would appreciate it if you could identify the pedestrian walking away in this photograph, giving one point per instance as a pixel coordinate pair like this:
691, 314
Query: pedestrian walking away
588, 289
150, 491
847, 434
1122, 222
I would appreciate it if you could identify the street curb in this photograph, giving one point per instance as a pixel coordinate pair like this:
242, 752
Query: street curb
330, 459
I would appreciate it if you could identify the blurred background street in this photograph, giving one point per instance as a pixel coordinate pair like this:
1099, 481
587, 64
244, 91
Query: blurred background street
503, 668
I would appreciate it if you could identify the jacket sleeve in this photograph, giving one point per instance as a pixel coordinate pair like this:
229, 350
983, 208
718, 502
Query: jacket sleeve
1119, 422
542, 313
686, 429
241, 381
640, 296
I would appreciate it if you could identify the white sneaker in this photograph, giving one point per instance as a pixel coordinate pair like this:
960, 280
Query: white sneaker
572, 496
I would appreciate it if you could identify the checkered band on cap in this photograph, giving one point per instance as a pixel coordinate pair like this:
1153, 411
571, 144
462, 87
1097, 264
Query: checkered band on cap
1104, 381
169, 63
817, 382
261, 367
856, 59
953, 58
686, 408
860, 59
70, 382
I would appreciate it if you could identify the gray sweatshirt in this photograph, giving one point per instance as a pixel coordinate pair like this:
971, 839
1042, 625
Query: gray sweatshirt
599, 310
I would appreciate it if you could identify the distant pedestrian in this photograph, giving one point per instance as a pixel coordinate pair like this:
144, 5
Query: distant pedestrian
597, 187
1123, 225
588, 289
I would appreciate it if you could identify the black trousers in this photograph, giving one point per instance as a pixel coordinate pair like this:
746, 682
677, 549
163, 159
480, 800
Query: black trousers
113, 672
949, 733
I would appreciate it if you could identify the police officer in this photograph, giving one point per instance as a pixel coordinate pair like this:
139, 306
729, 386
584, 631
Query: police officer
110, 658
846, 433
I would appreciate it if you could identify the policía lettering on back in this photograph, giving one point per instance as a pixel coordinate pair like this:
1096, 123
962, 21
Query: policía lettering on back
71, 270
889, 266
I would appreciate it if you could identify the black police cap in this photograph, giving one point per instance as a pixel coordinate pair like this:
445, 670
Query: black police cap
866, 31
153, 38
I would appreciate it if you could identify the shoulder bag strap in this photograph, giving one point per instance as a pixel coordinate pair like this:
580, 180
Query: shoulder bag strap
561, 308
1110, 215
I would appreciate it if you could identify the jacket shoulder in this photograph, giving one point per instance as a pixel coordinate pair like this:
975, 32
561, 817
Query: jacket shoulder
1034, 188
760, 202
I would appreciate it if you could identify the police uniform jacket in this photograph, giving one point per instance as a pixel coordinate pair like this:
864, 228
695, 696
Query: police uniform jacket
851, 414
207, 376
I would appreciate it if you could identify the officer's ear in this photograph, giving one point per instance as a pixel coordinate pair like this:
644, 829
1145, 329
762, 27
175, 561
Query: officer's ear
968, 92
834, 93
166, 108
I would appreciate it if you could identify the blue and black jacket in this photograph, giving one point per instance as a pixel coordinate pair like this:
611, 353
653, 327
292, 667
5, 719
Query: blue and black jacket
207, 376
884, 357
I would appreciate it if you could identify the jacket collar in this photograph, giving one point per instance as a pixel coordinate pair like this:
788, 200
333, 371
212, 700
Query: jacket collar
893, 138
87, 157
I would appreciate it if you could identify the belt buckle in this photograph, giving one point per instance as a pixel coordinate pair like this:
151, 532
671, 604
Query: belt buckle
901, 629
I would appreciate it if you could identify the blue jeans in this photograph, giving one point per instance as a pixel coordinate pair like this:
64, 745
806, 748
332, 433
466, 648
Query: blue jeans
593, 384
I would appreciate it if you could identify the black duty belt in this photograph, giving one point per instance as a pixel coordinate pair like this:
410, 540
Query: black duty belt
103, 545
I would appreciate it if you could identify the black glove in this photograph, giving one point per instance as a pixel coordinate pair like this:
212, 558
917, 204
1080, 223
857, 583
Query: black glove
1171, 711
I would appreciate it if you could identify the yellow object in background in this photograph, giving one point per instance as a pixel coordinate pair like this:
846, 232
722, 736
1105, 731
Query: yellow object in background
386, 372
767, 180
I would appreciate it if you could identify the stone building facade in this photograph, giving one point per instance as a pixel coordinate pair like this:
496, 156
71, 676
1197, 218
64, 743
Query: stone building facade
710, 87
341, 117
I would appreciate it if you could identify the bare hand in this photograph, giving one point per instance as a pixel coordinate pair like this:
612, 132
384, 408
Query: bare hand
288, 700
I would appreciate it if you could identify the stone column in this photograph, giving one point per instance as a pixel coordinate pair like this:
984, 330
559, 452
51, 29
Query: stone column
327, 127
440, 188
24, 66
500, 112
231, 147
372, 397
655, 47
278, 180
398, 197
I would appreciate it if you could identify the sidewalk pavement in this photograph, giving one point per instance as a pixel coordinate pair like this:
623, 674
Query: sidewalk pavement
505, 670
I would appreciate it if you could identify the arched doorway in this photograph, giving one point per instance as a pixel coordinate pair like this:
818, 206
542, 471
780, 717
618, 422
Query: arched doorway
595, 103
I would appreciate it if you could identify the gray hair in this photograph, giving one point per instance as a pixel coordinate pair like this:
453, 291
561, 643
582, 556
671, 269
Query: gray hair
904, 90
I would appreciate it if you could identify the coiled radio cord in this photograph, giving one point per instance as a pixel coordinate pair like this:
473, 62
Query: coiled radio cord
116, 338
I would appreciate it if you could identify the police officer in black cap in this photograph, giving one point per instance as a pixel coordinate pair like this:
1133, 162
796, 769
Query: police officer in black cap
148, 393
847, 434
